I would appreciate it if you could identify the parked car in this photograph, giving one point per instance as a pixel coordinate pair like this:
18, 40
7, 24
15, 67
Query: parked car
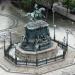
72, 11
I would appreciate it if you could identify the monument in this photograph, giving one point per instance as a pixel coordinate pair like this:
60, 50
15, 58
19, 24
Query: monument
37, 48
37, 45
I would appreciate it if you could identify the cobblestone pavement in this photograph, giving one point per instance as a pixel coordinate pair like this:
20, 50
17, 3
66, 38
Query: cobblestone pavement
7, 20
10, 67
10, 17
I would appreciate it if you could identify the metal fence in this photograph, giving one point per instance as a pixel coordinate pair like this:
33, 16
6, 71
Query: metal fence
38, 62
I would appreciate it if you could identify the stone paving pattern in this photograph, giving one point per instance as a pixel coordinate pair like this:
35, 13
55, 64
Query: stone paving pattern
10, 67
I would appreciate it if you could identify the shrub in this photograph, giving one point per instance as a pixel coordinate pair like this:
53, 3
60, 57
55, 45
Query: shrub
72, 4
67, 3
26, 5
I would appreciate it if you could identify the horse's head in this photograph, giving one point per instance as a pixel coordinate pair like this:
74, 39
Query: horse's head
42, 9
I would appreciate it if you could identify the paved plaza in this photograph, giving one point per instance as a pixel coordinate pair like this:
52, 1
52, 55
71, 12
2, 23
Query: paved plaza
18, 31
11, 67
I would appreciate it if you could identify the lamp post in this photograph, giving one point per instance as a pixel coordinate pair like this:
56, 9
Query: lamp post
67, 32
4, 45
54, 31
64, 40
46, 15
53, 10
37, 46
10, 38
4, 48
53, 15
64, 52
15, 56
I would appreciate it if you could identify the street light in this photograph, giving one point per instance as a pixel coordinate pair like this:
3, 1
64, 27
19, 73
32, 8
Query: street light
53, 10
54, 32
53, 15
10, 38
4, 44
64, 40
67, 32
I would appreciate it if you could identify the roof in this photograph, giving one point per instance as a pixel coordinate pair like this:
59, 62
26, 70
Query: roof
36, 24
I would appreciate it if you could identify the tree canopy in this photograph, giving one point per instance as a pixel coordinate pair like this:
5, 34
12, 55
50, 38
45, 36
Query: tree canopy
69, 3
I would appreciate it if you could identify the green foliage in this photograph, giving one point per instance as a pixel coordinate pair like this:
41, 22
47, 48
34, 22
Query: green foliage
26, 4
26, 1
69, 3
72, 4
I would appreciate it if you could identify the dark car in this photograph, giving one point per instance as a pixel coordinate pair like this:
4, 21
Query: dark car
72, 11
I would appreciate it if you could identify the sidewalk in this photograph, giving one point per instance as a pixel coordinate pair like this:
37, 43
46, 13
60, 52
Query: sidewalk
63, 11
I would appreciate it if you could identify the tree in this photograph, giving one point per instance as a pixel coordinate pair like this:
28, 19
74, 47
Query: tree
67, 3
27, 4
72, 4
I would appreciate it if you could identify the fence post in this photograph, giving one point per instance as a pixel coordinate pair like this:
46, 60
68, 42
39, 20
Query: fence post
46, 61
58, 43
4, 48
36, 62
16, 60
55, 58
10, 39
64, 52
26, 61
